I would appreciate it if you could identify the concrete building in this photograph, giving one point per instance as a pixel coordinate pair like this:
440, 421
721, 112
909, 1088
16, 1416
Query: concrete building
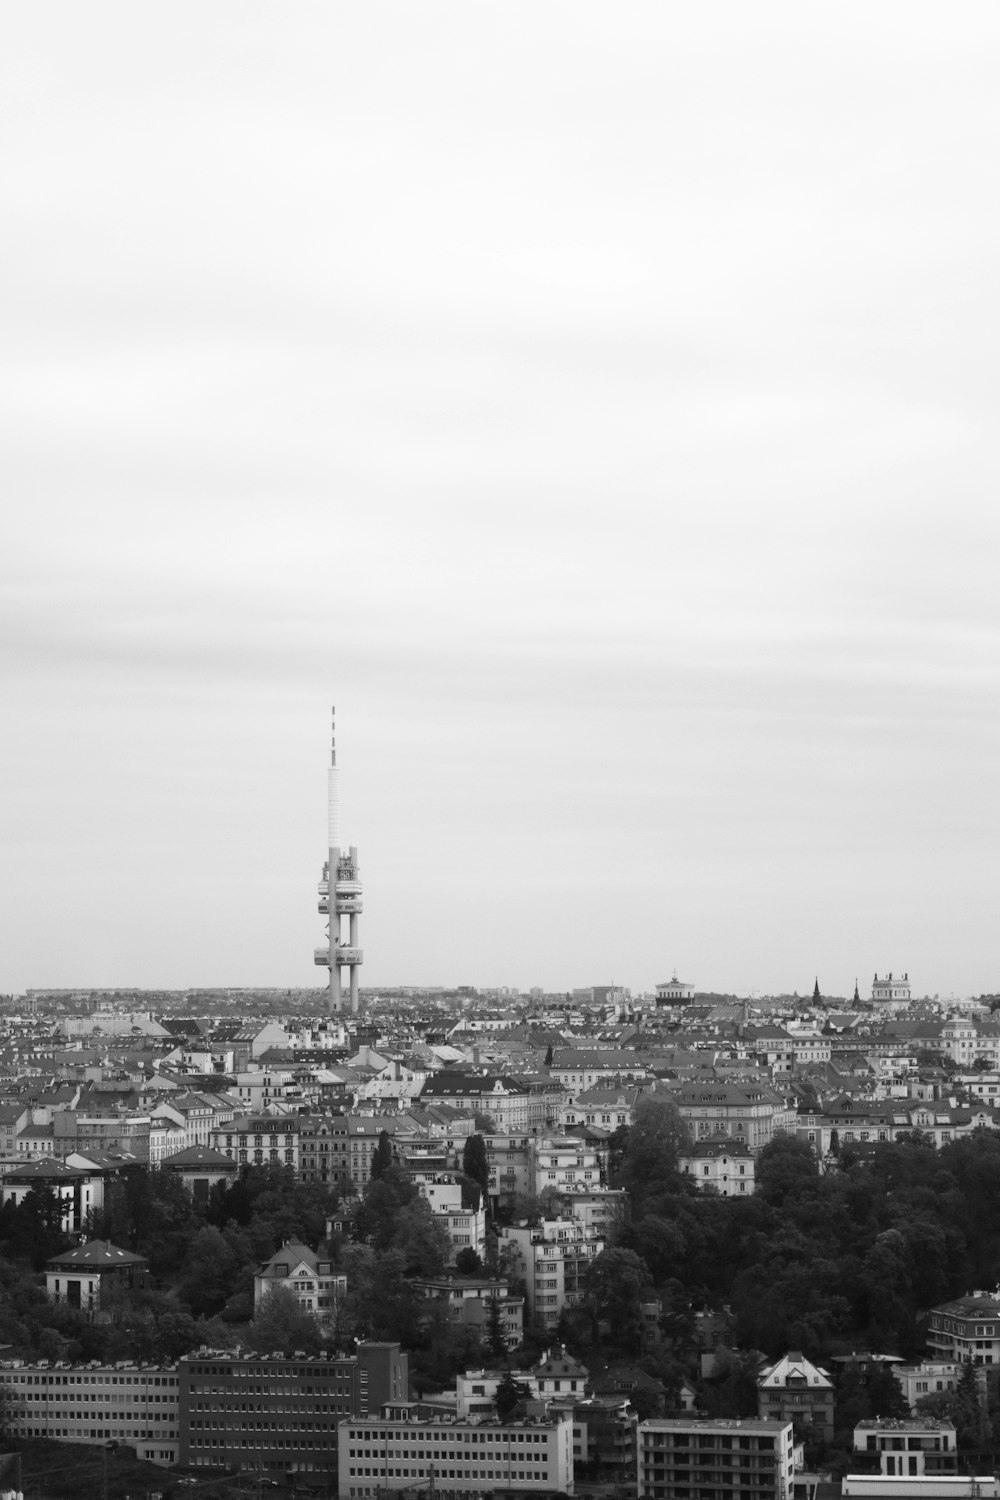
466, 1300
127, 1403
399, 1451
915, 1487
927, 1379
797, 1391
340, 897
674, 991
279, 1416
465, 1227
737, 1459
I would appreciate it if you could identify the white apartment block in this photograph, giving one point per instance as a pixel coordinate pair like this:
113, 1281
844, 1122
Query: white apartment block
553, 1258
398, 1452
465, 1227
94, 1403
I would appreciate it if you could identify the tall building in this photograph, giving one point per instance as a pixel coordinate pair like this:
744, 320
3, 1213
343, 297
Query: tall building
339, 897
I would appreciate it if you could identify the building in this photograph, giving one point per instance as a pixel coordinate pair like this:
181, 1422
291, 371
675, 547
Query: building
928, 1487
674, 991
258, 1140
72, 1186
553, 1257
794, 1390
399, 1451
737, 1459
340, 896
724, 1164
125, 1403
200, 1168
279, 1415
910, 1447
966, 1331
467, 1300
751, 1112
927, 1378
465, 1227
87, 1275
310, 1277
890, 991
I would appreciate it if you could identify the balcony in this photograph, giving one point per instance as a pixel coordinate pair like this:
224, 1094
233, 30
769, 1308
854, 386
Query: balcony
349, 955
321, 956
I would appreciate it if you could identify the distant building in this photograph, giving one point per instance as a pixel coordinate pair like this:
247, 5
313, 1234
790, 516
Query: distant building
306, 1274
911, 1447
722, 1163
674, 991
891, 991
132, 1404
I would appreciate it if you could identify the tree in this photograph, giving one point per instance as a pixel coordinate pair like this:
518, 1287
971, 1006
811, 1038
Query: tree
496, 1339
476, 1164
785, 1166
548, 1056
650, 1162
468, 1262
282, 1326
208, 1272
615, 1281
510, 1393
381, 1156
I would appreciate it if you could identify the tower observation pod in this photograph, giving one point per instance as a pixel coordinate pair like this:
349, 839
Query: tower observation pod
339, 898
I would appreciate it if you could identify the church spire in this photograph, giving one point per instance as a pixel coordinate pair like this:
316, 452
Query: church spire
816, 994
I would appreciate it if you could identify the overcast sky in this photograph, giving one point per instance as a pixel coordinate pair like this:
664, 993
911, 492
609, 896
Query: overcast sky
597, 403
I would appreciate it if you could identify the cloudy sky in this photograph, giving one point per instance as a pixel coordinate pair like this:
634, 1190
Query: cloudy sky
596, 403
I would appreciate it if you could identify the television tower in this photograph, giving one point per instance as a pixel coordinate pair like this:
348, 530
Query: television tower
339, 896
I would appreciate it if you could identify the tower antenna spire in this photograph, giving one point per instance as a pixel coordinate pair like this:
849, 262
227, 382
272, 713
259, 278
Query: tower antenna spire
340, 897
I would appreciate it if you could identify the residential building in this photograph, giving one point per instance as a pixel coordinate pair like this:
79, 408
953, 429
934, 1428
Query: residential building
913, 1446
398, 1450
553, 1257
127, 1403
684, 1458
503, 1099
308, 1275
797, 1391
279, 1415
200, 1168
724, 1164
465, 1227
466, 1300
967, 1330
258, 1140
751, 1112
927, 1379
85, 1276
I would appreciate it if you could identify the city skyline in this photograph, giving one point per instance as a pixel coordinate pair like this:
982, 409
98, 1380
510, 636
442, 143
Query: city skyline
598, 410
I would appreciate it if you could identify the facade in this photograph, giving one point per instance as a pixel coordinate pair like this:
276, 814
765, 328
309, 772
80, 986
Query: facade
926, 1379
466, 1300
398, 1451
503, 1099
966, 1331
258, 1140
686, 1459
750, 1112
674, 991
71, 1185
465, 1227
127, 1403
565, 1163
200, 1168
278, 1415
794, 1390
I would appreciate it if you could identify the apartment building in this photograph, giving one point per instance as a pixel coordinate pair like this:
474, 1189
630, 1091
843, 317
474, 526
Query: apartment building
83, 1276
279, 1415
465, 1227
398, 1451
310, 1277
553, 1258
967, 1330
910, 1447
258, 1140
751, 1112
737, 1459
95, 1403
723, 1164
797, 1391
467, 1300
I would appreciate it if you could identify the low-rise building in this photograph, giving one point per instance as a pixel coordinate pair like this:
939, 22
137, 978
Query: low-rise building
399, 1451
95, 1403
722, 1164
967, 1330
912, 1446
310, 1276
87, 1275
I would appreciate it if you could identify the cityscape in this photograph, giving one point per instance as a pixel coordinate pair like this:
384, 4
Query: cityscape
669, 1244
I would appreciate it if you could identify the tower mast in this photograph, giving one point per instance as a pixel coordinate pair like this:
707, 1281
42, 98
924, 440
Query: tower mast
339, 896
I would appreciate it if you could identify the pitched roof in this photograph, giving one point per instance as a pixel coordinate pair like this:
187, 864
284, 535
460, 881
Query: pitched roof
97, 1255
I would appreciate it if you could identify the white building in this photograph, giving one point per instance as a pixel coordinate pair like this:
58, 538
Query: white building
553, 1258
465, 1227
396, 1452
128, 1403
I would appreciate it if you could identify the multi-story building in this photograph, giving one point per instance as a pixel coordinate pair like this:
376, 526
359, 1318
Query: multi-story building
119, 1130
888, 991
565, 1163
967, 1330
723, 1164
794, 1390
503, 1099
84, 1276
467, 1300
910, 1447
258, 1140
739, 1459
465, 1227
398, 1451
927, 1379
279, 1415
751, 1112
311, 1278
582, 1068
553, 1257
125, 1402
